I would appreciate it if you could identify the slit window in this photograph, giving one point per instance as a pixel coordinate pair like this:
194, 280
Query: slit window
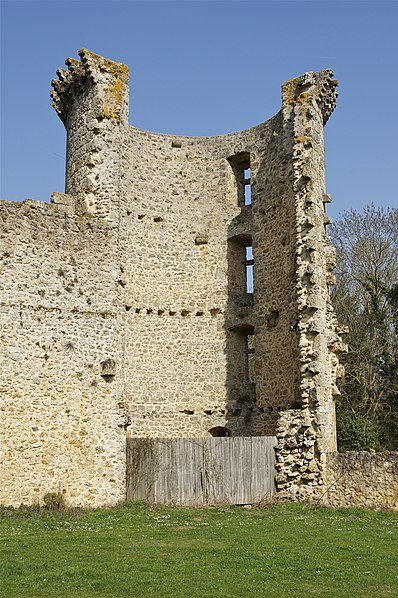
249, 265
247, 186
249, 352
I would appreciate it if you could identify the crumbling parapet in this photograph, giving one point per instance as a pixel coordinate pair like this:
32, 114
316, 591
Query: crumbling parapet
309, 89
91, 98
111, 80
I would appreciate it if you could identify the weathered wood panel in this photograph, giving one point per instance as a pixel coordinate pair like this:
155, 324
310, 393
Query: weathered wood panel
140, 469
178, 466
262, 467
201, 471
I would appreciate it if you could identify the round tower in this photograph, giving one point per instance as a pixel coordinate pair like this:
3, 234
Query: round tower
91, 99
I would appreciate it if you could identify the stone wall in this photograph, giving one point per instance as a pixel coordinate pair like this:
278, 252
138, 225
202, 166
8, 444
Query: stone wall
184, 234
364, 479
62, 422
126, 308
352, 479
300, 466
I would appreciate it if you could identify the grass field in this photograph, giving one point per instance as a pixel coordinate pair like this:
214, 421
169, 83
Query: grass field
136, 551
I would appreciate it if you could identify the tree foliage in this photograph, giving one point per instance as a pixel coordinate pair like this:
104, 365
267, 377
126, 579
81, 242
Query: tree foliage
365, 299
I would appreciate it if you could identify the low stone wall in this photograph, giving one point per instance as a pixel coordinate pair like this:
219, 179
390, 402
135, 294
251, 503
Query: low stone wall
365, 479
305, 472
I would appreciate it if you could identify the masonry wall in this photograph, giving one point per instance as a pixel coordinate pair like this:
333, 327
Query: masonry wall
126, 309
183, 318
352, 479
62, 423
363, 479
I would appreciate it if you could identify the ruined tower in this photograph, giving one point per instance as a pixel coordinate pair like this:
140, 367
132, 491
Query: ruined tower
179, 287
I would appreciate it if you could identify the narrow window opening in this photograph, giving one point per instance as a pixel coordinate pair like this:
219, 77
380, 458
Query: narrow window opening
247, 186
241, 265
250, 358
242, 344
249, 265
241, 167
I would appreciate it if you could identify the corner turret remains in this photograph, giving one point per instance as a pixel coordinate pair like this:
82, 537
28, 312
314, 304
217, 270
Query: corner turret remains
92, 98
179, 287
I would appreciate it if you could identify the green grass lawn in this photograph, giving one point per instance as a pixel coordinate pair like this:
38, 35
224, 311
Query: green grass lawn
137, 551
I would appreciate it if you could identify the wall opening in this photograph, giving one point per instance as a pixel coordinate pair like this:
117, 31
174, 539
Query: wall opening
240, 164
108, 369
250, 357
241, 260
249, 264
247, 186
220, 432
243, 355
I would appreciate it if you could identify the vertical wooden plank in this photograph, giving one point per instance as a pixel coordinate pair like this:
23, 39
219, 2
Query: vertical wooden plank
233, 470
244, 488
239, 479
140, 469
189, 463
263, 468
165, 480
258, 481
213, 467
270, 465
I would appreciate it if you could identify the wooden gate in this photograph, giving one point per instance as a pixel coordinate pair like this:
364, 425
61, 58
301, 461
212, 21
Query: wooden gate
201, 471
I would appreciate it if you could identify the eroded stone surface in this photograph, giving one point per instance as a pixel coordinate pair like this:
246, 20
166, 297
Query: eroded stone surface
364, 479
124, 305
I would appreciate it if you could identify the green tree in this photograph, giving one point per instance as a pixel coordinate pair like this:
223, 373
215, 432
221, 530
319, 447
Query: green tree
365, 299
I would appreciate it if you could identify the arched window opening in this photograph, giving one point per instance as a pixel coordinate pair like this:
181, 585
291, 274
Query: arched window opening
220, 432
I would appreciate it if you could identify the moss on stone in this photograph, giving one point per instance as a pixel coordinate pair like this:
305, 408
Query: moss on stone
290, 95
117, 69
288, 89
113, 100
73, 62
301, 139
114, 92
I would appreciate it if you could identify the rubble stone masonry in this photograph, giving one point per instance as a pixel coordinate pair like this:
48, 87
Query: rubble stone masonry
363, 479
126, 303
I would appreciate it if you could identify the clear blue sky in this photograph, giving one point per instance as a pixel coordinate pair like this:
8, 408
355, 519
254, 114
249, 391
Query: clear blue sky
207, 68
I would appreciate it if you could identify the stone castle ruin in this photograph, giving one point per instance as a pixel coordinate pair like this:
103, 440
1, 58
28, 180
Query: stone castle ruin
178, 288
